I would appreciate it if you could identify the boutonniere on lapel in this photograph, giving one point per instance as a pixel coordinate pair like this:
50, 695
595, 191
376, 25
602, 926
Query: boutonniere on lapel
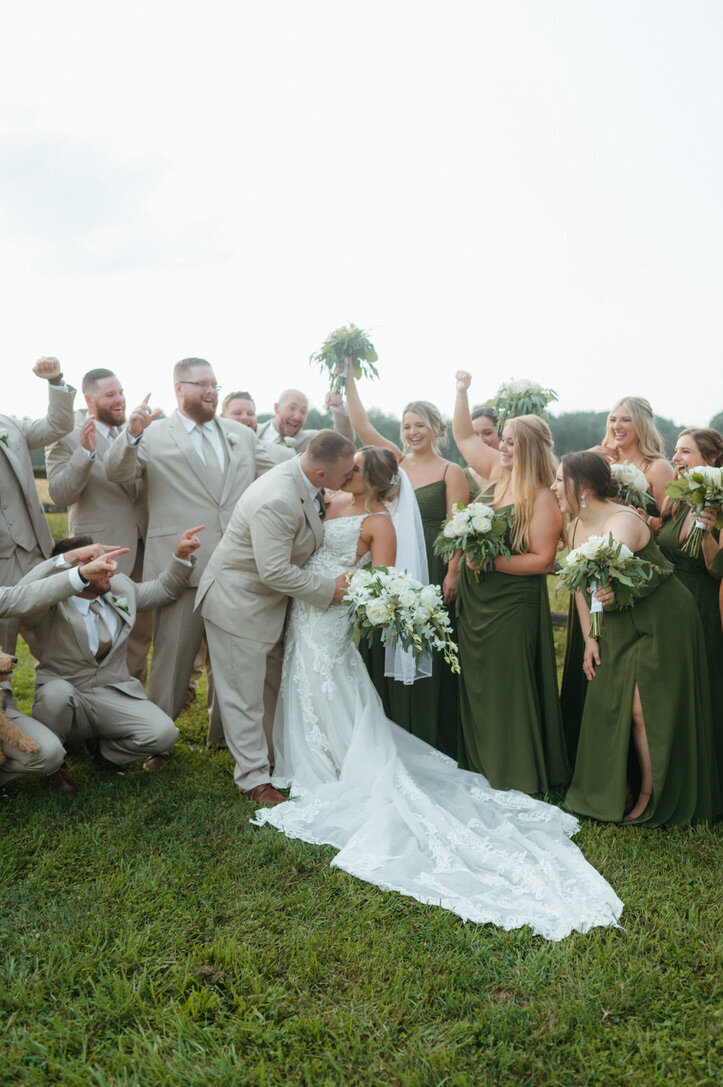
4, 437
231, 439
121, 603
289, 442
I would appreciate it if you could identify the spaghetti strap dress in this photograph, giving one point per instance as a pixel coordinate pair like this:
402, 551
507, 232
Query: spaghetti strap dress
657, 645
510, 718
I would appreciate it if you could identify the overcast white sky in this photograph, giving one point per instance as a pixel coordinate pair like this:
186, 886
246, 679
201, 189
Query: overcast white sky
527, 188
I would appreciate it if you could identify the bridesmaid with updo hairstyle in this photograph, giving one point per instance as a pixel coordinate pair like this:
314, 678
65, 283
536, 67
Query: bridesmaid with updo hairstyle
646, 749
631, 435
700, 575
511, 725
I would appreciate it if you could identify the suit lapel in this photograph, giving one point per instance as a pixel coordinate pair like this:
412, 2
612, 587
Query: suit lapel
307, 502
122, 614
77, 625
194, 462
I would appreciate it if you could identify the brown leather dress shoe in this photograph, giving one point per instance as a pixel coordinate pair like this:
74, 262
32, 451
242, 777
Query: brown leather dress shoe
105, 766
266, 794
155, 762
59, 783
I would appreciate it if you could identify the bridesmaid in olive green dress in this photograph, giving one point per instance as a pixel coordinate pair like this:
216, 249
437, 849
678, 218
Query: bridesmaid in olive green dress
427, 708
646, 727
511, 725
693, 448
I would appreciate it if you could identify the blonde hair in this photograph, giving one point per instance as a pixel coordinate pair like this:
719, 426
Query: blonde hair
650, 440
533, 468
431, 417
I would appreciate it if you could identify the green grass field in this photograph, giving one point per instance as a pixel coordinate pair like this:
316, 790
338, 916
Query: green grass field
151, 936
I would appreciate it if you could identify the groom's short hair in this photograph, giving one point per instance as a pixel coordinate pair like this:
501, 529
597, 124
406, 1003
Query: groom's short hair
327, 447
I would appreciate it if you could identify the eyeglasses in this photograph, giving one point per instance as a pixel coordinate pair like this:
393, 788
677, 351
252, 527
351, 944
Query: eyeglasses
201, 384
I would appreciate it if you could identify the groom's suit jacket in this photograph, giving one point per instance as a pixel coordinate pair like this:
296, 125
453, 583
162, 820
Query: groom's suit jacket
109, 512
178, 487
256, 567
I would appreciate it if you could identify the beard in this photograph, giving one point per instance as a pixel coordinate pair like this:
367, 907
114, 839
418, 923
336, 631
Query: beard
110, 417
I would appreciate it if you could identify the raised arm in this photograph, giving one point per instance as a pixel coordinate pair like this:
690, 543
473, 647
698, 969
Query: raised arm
479, 456
367, 434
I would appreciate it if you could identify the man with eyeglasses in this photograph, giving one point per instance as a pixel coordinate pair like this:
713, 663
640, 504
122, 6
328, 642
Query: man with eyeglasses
195, 466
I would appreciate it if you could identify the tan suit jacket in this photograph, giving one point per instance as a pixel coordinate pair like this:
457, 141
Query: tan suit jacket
109, 512
23, 526
340, 422
256, 568
36, 592
62, 643
178, 487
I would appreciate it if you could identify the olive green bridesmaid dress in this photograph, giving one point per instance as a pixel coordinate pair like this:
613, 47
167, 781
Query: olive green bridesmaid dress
704, 589
428, 708
511, 724
657, 644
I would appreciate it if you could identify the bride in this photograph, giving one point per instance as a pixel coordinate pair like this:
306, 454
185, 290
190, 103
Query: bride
402, 815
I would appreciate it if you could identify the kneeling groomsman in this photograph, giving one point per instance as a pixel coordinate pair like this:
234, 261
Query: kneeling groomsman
83, 687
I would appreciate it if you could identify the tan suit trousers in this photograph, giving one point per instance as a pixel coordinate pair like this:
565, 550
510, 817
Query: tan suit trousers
19, 763
247, 684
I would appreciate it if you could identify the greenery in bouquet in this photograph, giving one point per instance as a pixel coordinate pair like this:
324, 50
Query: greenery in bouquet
597, 561
700, 487
479, 531
632, 486
346, 344
391, 600
520, 397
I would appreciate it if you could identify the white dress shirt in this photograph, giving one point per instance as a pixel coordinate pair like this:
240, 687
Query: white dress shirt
112, 619
193, 430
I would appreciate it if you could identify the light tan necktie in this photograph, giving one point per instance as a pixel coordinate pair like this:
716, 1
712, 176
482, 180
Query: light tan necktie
112, 433
214, 469
105, 642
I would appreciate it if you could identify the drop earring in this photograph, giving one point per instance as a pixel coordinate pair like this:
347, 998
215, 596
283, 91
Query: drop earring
583, 503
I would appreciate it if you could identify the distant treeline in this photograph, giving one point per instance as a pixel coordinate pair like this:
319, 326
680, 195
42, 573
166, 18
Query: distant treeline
572, 430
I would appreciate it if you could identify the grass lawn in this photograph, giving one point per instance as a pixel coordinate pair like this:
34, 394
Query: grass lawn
151, 936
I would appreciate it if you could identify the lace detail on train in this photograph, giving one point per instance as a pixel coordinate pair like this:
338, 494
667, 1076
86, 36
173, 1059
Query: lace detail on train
402, 815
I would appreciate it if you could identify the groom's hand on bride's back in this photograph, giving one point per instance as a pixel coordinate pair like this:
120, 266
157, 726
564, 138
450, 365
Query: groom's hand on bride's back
340, 590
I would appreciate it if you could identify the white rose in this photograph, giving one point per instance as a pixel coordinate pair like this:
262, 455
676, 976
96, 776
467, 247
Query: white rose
429, 596
377, 612
421, 614
625, 552
481, 524
407, 598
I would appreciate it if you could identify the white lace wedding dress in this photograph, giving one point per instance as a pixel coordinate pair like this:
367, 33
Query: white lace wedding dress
402, 815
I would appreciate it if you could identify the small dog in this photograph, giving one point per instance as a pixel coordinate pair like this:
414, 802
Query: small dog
9, 732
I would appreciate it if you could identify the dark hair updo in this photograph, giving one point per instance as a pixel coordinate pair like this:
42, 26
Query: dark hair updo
587, 469
381, 473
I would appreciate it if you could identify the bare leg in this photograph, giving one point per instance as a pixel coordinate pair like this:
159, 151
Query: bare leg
640, 741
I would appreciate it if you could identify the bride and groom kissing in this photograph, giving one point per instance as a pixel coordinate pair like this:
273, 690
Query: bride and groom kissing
402, 815
245, 589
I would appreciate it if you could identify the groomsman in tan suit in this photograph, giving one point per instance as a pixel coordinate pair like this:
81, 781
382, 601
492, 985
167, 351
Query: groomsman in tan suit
34, 595
24, 534
96, 507
290, 411
195, 469
83, 689
245, 589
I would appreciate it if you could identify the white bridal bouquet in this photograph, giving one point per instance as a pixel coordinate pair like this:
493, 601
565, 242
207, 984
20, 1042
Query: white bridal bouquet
699, 487
405, 610
347, 343
476, 529
520, 397
632, 485
595, 562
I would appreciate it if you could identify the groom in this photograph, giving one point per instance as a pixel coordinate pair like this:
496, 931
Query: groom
245, 588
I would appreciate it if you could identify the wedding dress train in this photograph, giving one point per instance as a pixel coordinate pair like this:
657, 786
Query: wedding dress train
402, 815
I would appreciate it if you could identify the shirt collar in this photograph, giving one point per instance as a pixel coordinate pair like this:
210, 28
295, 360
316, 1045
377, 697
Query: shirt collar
311, 487
83, 603
191, 425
